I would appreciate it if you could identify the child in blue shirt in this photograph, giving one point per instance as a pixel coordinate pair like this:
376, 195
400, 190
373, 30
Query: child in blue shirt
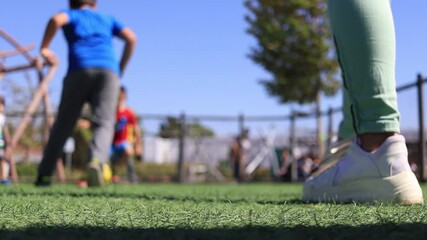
93, 77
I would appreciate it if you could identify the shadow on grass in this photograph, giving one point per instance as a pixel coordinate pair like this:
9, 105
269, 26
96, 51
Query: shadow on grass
384, 231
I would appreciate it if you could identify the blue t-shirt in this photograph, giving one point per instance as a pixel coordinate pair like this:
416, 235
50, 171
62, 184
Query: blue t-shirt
90, 40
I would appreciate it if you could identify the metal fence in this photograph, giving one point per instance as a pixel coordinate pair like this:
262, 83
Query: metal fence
187, 149
240, 121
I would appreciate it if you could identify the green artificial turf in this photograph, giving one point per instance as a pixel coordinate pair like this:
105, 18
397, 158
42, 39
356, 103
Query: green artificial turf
168, 211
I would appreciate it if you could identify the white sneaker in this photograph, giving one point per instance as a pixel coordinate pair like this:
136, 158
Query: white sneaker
382, 176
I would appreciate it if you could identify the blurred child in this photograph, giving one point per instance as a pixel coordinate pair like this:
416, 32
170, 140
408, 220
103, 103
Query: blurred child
4, 140
127, 140
285, 167
92, 77
236, 158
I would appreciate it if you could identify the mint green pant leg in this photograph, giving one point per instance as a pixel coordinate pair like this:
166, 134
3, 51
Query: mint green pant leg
365, 39
346, 127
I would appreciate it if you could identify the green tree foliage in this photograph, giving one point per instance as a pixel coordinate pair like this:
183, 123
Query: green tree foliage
171, 127
294, 46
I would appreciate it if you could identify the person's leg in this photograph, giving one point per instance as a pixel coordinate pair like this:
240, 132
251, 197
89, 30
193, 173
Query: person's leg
375, 167
4, 171
346, 128
236, 170
365, 40
72, 100
129, 154
103, 100
114, 159
117, 152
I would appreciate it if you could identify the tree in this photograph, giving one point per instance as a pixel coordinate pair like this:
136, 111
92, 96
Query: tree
170, 128
294, 46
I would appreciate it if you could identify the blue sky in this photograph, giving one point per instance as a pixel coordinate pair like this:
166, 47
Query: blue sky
192, 55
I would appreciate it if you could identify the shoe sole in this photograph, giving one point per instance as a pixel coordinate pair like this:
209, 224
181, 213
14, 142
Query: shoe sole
94, 176
402, 188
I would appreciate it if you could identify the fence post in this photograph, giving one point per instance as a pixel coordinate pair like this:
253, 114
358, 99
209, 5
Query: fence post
330, 127
421, 136
319, 120
241, 119
181, 150
294, 165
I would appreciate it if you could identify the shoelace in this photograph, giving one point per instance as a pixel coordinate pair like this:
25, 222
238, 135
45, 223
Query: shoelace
335, 153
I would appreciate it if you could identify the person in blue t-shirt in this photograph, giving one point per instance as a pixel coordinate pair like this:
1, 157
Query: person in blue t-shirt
93, 77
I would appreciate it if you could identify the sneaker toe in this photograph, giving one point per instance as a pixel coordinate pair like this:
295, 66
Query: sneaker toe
315, 183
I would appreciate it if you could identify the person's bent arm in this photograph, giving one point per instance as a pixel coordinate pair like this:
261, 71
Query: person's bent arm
55, 23
138, 141
130, 42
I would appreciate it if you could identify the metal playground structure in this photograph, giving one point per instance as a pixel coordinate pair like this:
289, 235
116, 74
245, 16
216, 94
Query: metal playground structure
45, 72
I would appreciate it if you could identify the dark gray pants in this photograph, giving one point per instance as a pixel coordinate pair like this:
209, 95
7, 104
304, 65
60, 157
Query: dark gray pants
100, 89
115, 159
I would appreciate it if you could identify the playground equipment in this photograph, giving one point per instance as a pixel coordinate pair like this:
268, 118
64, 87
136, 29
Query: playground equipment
45, 72
267, 151
204, 164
